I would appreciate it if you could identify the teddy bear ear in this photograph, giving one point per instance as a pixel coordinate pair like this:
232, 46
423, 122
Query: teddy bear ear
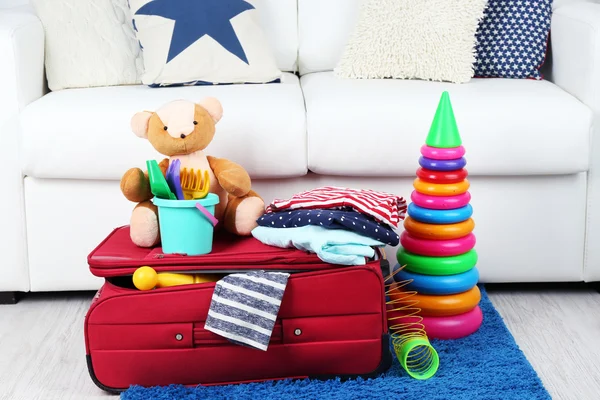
213, 106
139, 124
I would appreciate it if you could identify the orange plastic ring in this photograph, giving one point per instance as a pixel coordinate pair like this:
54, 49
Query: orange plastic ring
439, 189
441, 305
432, 231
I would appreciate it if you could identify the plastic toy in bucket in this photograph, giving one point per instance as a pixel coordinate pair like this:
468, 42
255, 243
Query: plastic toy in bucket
186, 228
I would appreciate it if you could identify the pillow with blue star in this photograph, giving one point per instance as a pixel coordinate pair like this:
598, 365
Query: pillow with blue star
512, 39
197, 42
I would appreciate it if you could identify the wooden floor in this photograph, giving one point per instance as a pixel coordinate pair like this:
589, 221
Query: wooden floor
42, 350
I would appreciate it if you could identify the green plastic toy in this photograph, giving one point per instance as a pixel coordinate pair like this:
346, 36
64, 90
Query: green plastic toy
418, 357
158, 184
444, 131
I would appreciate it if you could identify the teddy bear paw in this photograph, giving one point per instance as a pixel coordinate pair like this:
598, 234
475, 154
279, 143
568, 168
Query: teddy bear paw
234, 182
144, 229
135, 186
247, 212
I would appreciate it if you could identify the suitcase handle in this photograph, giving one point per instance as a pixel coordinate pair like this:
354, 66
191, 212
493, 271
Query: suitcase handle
384, 264
203, 337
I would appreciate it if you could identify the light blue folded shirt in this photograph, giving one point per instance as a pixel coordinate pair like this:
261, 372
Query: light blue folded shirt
334, 246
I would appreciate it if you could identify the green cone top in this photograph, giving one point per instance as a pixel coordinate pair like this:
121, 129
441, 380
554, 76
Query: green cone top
444, 131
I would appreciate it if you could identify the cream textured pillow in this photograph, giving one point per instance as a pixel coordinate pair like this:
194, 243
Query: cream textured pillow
413, 39
89, 43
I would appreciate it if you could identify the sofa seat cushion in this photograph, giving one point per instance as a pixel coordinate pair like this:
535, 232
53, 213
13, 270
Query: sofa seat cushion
508, 127
86, 134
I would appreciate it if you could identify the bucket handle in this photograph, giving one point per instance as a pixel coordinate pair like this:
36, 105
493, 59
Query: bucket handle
207, 214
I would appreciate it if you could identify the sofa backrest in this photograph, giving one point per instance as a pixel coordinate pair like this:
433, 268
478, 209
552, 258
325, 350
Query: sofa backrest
324, 27
279, 19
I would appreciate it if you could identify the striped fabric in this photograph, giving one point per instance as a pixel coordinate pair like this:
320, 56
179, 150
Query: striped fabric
384, 207
244, 307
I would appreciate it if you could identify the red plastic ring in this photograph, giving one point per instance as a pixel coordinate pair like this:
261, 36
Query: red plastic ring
442, 176
437, 248
443, 328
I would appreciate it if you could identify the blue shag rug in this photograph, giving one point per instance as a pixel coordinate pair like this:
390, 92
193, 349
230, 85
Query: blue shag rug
486, 365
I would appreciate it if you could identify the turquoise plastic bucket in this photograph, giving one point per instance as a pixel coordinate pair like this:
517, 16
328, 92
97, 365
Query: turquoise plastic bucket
183, 228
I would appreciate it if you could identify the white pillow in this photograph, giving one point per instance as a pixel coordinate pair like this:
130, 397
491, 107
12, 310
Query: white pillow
413, 39
202, 42
88, 43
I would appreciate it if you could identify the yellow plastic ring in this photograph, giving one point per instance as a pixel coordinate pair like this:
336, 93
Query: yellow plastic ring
442, 305
433, 231
438, 189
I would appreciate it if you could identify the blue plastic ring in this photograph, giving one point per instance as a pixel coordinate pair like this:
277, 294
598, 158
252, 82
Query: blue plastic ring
442, 165
438, 284
451, 216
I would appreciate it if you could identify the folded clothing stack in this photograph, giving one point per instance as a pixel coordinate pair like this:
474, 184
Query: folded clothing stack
340, 225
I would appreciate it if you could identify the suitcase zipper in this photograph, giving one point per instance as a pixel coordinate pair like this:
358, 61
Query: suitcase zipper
248, 259
224, 271
110, 279
277, 257
231, 271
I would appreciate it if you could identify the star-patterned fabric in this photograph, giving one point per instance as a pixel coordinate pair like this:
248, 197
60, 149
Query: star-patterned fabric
331, 219
512, 39
202, 42
194, 19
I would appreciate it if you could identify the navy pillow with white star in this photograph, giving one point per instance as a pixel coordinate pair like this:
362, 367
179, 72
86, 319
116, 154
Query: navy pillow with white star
196, 42
512, 39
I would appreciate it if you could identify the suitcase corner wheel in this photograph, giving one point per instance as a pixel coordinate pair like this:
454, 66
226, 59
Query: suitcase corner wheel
90, 368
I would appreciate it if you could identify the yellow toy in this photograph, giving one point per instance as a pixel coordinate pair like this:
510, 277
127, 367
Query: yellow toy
146, 278
193, 184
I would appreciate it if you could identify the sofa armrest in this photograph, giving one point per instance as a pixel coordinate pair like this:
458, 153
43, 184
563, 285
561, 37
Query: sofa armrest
575, 36
22, 75
576, 69
22, 61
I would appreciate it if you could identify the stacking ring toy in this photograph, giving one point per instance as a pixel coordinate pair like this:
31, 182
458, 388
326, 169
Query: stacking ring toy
437, 265
438, 232
440, 202
438, 189
442, 176
454, 326
438, 306
436, 153
440, 216
437, 248
442, 165
441, 284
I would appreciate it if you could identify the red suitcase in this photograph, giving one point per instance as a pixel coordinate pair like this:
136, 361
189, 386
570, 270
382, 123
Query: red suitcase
331, 323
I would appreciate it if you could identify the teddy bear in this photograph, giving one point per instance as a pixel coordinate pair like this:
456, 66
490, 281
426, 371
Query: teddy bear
182, 129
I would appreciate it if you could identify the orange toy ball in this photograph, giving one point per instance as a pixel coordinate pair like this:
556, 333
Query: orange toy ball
145, 278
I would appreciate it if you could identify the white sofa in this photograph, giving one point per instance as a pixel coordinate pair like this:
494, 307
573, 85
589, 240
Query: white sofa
532, 146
